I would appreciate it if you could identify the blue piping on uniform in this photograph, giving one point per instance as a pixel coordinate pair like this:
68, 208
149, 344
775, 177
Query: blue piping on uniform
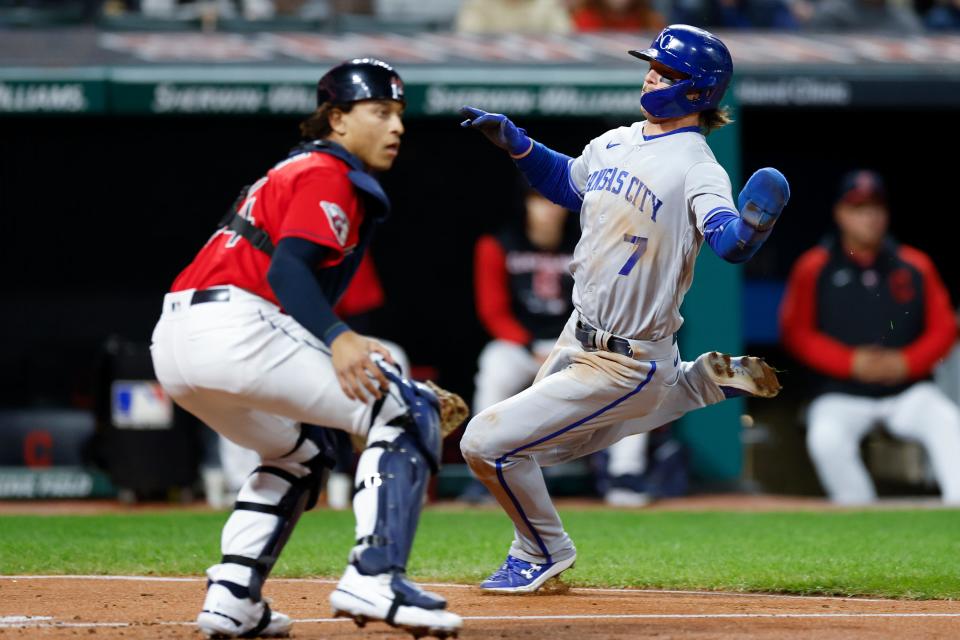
670, 133
503, 458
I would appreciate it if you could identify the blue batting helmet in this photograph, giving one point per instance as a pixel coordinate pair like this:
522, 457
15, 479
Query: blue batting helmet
705, 63
360, 79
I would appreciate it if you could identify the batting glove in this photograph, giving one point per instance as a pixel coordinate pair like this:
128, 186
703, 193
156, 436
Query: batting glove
763, 198
499, 130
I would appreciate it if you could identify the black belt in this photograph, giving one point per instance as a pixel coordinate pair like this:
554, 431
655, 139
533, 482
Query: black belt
587, 336
210, 295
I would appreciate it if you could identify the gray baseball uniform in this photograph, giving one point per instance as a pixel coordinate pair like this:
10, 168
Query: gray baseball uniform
645, 202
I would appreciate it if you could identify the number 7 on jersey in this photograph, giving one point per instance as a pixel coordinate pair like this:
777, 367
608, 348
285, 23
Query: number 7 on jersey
640, 245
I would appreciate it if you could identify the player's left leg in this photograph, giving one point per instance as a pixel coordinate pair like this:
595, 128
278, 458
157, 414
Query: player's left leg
923, 413
402, 452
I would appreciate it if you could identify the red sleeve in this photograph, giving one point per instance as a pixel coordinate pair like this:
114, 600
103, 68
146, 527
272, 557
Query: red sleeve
940, 331
798, 320
492, 288
323, 208
364, 293
586, 20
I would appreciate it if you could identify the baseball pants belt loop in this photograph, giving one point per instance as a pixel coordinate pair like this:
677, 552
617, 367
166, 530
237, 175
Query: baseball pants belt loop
210, 295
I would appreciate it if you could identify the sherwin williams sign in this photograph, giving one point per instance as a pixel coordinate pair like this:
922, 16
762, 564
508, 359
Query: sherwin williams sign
51, 97
423, 100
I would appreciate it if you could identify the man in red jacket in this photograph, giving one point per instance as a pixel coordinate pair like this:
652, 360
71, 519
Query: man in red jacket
873, 318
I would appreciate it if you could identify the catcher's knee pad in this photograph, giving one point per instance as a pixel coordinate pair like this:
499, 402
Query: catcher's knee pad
391, 481
421, 418
268, 507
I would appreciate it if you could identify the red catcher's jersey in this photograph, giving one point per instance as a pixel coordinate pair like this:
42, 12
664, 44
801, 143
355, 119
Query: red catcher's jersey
306, 196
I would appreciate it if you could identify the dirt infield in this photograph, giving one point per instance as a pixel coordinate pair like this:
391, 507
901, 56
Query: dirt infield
135, 608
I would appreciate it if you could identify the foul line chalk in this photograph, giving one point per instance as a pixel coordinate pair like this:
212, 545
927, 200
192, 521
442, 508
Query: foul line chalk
445, 585
22, 622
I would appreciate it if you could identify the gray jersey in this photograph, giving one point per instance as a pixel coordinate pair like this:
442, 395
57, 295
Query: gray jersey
645, 202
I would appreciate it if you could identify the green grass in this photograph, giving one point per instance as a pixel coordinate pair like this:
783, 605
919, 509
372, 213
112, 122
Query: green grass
905, 554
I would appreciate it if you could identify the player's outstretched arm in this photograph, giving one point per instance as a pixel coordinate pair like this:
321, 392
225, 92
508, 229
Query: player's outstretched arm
735, 238
499, 130
548, 171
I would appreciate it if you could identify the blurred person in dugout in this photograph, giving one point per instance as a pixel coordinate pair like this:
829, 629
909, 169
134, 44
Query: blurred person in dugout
873, 16
512, 16
872, 318
360, 306
523, 291
617, 15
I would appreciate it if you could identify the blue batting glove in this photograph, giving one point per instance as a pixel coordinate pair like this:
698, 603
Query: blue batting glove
499, 130
763, 198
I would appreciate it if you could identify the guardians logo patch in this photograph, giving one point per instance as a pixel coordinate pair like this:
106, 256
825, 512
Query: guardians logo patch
339, 222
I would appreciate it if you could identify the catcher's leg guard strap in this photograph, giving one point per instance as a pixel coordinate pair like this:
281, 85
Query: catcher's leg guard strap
269, 506
392, 478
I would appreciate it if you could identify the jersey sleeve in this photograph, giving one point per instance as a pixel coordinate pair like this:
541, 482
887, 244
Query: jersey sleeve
579, 169
492, 291
708, 192
940, 326
319, 210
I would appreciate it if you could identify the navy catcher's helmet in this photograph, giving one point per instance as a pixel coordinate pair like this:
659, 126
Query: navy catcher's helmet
701, 57
360, 79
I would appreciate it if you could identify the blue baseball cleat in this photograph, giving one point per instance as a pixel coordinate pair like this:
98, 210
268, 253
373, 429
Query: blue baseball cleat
519, 576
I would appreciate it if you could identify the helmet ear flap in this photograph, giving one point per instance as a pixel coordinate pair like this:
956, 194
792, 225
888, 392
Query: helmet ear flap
671, 102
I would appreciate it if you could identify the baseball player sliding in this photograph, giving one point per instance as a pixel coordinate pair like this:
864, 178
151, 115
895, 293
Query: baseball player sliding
648, 196
249, 343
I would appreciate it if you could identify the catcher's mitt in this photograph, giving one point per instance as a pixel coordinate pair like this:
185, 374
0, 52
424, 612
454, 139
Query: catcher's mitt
453, 410
453, 413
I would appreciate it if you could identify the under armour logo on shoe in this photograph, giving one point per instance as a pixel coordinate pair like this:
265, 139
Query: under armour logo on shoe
528, 573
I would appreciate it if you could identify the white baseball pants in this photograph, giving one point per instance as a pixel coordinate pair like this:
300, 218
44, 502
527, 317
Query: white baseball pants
582, 402
252, 373
837, 422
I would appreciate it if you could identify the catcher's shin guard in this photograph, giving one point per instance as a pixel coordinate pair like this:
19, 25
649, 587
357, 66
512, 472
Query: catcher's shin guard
402, 451
391, 481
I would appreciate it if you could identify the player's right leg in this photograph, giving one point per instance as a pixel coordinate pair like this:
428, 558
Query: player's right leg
836, 423
287, 482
